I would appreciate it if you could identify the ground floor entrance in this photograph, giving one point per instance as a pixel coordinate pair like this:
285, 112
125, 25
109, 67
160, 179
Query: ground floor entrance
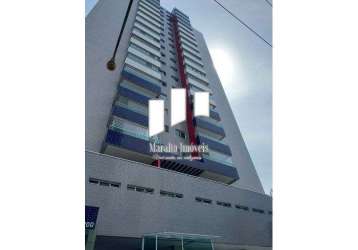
177, 241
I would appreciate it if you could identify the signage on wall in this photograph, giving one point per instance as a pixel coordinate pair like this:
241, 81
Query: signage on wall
91, 217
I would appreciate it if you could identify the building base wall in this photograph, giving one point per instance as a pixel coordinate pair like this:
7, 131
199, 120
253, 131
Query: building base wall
128, 213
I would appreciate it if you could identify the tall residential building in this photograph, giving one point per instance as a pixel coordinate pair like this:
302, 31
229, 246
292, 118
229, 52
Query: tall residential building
140, 202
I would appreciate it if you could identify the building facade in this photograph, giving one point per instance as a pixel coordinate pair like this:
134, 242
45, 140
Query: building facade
216, 202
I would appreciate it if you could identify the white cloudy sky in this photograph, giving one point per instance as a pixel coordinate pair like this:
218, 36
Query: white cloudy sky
244, 64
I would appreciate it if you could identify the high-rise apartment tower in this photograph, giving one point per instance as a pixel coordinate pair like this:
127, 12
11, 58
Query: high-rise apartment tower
143, 203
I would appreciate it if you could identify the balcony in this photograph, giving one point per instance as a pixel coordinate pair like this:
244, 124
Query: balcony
199, 85
215, 115
149, 20
189, 45
187, 29
213, 129
151, 26
124, 144
150, 7
128, 140
221, 169
179, 13
141, 82
132, 95
142, 44
146, 37
147, 30
219, 160
143, 56
145, 69
194, 59
208, 168
190, 39
186, 33
149, 14
191, 42
197, 75
184, 22
194, 53
214, 145
154, 3
130, 115
193, 65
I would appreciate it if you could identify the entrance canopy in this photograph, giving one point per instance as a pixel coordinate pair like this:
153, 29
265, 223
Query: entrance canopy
177, 241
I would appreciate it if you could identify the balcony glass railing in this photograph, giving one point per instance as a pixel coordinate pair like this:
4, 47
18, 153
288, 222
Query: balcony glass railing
192, 59
211, 121
201, 72
148, 31
211, 138
128, 104
153, 8
147, 37
218, 157
147, 24
149, 20
144, 56
144, 76
129, 129
149, 14
144, 50
150, 9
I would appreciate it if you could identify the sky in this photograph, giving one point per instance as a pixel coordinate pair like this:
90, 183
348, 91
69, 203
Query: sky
244, 65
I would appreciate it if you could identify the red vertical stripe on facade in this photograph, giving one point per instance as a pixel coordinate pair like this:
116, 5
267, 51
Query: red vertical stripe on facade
185, 84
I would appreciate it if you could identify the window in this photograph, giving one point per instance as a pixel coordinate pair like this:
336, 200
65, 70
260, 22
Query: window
163, 83
170, 194
175, 78
162, 54
242, 207
162, 46
140, 189
256, 210
180, 133
93, 181
203, 200
163, 72
166, 127
270, 212
174, 69
224, 204
114, 185
104, 182
173, 60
